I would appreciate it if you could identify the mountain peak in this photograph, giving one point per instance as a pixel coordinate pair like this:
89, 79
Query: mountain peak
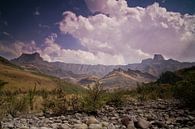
158, 57
27, 58
35, 54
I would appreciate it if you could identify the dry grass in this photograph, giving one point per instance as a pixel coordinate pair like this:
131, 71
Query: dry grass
23, 80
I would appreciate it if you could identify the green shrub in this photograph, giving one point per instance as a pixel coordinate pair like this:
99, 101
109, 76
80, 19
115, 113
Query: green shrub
168, 78
93, 100
116, 98
185, 91
153, 91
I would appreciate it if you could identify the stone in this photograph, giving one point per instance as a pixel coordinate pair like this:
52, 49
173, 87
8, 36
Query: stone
63, 126
95, 126
105, 124
92, 120
111, 126
54, 125
125, 120
45, 128
24, 127
33, 128
80, 126
131, 125
143, 124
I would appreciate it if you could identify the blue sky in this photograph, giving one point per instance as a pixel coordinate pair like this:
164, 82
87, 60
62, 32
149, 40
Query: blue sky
33, 21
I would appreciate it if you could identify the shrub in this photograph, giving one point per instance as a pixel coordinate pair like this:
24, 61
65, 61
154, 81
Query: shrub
152, 91
55, 105
168, 78
31, 95
15, 104
185, 91
116, 98
93, 100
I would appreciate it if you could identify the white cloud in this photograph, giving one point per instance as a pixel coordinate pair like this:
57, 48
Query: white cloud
17, 48
132, 33
119, 34
53, 52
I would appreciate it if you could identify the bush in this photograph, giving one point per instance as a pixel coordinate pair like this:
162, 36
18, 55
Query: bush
168, 78
31, 95
152, 91
15, 104
57, 103
116, 98
185, 91
93, 100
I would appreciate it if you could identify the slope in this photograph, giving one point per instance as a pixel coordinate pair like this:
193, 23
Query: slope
23, 80
120, 78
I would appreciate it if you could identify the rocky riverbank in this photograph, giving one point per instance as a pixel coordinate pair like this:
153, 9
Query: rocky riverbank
158, 114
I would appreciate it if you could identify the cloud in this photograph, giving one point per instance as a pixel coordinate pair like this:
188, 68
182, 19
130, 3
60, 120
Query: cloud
15, 49
51, 51
6, 33
118, 34
133, 33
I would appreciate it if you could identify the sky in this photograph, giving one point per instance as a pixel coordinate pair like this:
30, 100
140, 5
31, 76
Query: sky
98, 31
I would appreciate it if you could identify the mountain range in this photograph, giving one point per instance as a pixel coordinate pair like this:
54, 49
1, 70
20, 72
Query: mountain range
110, 75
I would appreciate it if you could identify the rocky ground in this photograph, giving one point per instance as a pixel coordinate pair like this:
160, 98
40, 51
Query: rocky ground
159, 114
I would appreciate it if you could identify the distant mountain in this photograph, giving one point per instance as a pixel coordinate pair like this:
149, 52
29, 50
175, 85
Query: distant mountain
23, 80
77, 72
29, 58
6, 62
35, 62
120, 78
158, 65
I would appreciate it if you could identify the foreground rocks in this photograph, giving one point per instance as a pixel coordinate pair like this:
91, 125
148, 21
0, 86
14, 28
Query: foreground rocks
136, 115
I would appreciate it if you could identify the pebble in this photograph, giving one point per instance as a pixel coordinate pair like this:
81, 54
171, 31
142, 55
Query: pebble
159, 114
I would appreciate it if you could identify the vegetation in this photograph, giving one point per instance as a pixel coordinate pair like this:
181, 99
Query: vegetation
171, 85
168, 78
93, 100
66, 97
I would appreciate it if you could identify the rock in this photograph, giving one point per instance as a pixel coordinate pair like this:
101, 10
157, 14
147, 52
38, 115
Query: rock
159, 124
143, 124
54, 125
95, 126
130, 125
24, 127
63, 126
111, 126
10, 125
92, 120
45, 128
105, 124
33, 128
125, 120
80, 126
76, 121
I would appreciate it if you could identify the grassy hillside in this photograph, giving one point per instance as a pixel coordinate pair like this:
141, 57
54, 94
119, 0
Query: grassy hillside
19, 79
